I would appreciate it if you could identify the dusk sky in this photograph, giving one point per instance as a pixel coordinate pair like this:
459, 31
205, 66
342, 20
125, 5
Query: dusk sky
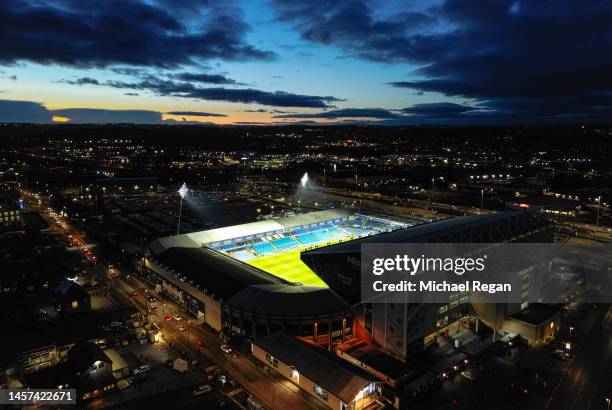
282, 61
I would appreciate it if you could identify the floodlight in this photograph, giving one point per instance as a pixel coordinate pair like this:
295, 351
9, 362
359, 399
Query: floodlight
304, 179
183, 190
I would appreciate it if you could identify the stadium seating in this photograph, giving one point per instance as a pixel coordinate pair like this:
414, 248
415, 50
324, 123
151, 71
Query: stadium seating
284, 243
243, 255
263, 248
323, 235
302, 236
308, 238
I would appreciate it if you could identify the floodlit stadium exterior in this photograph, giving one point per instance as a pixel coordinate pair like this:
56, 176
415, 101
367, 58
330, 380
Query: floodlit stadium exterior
403, 329
236, 298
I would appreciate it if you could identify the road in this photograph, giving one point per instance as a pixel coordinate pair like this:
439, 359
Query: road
182, 399
589, 378
274, 391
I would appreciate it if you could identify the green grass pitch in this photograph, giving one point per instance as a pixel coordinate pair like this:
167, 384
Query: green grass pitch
288, 266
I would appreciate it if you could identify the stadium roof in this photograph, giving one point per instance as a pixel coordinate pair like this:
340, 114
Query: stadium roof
291, 300
337, 377
198, 239
219, 274
423, 232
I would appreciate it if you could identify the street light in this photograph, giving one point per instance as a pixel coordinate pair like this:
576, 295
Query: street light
182, 192
164, 317
481, 199
433, 188
598, 206
188, 323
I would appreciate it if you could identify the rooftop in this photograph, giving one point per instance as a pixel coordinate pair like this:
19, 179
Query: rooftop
423, 232
219, 274
536, 314
329, 372
198, 239
291, 300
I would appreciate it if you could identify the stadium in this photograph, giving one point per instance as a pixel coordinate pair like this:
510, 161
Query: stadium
250, 278
300, 276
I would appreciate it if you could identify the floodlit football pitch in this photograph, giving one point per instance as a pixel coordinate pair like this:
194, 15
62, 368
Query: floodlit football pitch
288, 266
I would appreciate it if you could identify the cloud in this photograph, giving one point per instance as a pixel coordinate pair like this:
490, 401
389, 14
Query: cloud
132, 94
164, 87
441, 108
204, 78
33, 112
23, 111
82, 81
195, 114
352, 26
521, 60
91, 115
345, 113
102, 33
259, 110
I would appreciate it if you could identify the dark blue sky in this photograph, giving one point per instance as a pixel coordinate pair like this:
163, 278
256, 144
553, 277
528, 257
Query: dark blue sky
279, 61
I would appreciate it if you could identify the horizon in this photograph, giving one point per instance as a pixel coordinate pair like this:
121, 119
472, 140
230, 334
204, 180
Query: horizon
447, 62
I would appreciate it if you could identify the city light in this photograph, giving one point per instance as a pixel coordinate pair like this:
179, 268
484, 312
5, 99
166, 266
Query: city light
183, 191
304, 179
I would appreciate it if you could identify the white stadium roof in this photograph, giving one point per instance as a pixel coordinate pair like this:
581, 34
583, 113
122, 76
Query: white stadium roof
202, 238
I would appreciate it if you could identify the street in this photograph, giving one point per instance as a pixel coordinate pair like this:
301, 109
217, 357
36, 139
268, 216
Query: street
589, 378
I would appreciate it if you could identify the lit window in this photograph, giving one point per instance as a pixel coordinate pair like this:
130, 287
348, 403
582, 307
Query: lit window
320, 392
295, 376
75, 304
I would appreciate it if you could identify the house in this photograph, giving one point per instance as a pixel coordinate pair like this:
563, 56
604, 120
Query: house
87, 369
71, 298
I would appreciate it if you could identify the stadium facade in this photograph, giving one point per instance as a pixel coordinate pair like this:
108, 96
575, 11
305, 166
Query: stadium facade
214, 274
217, 276
403, 329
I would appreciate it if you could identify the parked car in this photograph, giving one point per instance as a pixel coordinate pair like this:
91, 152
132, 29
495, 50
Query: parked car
226, 349
167, 318
177, 317
181, 328
199, 342
205, 388
468, 374
142, 369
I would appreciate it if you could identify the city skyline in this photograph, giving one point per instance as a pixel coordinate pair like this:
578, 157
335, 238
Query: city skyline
279, 62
